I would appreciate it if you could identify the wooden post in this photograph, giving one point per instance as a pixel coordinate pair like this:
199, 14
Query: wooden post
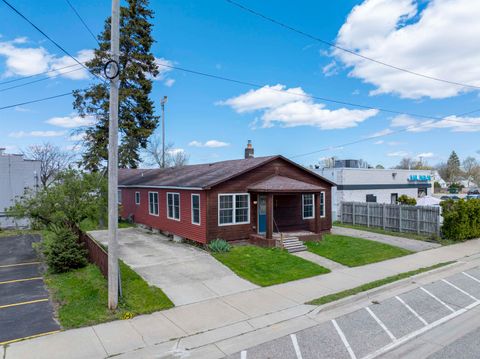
269, 231
368, 214
418, 220
400, 218
384, 215
353, 213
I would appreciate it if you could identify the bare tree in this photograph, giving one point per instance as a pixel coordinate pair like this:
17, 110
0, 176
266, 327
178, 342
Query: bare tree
408, 163
52, 161
174, 157
471, 169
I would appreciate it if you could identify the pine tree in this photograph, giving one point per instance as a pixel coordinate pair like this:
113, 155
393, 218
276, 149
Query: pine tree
136, 111
453, 167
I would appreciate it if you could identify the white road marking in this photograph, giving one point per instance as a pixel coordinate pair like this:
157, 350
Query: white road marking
344, 339
459, 289
384, 327
471, 277
438, 300
243, 354
412, 311
295, 346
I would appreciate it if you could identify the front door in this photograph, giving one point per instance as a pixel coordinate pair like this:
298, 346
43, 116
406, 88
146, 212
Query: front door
262, 214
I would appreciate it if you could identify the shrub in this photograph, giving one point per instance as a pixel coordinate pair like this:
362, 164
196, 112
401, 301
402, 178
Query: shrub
219, 246
62, 250
404, 199
461, 219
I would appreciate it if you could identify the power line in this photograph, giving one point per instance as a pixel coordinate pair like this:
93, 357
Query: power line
39, 80
37, 100
38, 74
312, 37
83, 22
50, 39
340, 102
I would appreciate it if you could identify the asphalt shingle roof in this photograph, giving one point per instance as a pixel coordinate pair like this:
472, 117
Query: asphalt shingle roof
283, 184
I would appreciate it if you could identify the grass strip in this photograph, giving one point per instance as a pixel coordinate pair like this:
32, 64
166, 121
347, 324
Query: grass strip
377, 283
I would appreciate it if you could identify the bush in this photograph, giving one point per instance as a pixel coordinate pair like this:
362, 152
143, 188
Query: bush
62, 250
404, 199
461, 219
219, 246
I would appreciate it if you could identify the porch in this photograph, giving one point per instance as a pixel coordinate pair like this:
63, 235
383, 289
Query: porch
285, 209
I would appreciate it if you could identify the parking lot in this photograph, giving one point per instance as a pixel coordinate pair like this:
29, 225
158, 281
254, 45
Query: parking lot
373, 330
25, 308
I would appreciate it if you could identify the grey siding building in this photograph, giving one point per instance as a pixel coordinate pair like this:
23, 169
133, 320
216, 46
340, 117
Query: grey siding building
16, 175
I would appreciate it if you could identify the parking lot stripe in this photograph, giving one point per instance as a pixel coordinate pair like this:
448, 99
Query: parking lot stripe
243, 354
438, 300
471, 277
23, 303
20, 280
384, 327
18, 264
344, 339
29, 337
295, 346
412, 311
459, 289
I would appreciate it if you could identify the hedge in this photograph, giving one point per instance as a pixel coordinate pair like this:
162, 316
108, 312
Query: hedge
461, 219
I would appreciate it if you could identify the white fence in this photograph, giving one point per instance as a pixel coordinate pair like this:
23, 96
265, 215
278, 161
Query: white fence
392, 217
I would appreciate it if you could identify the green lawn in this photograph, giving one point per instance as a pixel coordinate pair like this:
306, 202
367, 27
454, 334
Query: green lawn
268, 266
353, 252
418, 237
378, 283
81, 296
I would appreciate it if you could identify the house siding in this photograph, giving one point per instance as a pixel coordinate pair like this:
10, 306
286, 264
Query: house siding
239, 185
184, 227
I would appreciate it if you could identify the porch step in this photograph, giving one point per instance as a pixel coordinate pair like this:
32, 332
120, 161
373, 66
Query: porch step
293, 244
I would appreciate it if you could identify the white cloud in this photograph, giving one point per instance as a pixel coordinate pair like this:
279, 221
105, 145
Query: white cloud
439, 40
169, 82
292, 107
397, 154
209, 144
163, 71
22, 60
454, 123
175, 151
381, 133
425, 155
71, 121
379, 142
330, 69
21, 134
77, 137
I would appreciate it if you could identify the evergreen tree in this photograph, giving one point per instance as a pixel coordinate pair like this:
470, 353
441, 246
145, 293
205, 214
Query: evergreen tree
136, 111
453, 167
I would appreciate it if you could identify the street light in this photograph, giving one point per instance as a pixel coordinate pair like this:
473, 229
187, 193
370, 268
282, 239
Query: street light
163, 102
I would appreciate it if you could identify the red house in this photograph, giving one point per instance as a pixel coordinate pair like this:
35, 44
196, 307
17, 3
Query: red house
248, 199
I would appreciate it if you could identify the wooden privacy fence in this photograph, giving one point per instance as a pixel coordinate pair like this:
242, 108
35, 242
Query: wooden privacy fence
392, 217
96, 253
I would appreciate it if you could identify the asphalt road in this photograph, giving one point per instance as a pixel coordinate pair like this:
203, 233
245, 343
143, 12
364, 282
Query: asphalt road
25, 308
380, 330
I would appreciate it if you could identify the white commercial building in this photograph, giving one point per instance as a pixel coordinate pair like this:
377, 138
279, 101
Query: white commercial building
376, 185
16, 175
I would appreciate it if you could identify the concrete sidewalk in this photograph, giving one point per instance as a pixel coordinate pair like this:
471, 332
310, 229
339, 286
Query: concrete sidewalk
413, 245
250, 314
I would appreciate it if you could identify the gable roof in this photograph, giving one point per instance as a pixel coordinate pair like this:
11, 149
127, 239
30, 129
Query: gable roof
201, 176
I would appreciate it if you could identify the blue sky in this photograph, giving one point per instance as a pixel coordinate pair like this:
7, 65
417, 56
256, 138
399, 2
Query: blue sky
212, 120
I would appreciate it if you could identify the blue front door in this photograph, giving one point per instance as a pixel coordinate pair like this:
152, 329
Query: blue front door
262, 214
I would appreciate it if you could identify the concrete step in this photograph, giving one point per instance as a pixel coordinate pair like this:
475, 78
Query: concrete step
293, 244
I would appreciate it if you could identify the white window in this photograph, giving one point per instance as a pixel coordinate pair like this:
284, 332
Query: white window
233, 208
137, 198
195, 208
322, 204
153, 203
119, 194
173, 206
308, 206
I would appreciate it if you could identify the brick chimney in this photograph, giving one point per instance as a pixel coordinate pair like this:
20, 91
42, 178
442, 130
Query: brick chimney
249, 151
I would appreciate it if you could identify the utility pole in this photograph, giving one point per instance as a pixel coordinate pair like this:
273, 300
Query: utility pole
163, 102
112, 71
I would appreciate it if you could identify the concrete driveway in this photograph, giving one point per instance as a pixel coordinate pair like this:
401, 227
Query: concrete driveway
185, 273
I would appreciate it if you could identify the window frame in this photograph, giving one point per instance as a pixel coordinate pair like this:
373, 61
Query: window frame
158, 204
173, 205
137, 203
234, 209
199, 209
323, 207
303, 205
